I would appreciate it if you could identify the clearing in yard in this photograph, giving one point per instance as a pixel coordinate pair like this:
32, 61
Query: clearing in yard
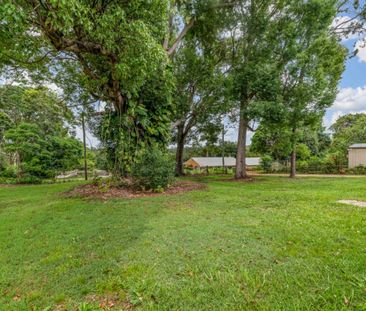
270, 244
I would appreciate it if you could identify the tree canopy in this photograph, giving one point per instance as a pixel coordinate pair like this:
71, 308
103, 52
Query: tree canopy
347, 130
37, 136
175, 68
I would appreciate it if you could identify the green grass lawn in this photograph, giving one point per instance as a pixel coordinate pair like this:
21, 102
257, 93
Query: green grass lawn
271, 244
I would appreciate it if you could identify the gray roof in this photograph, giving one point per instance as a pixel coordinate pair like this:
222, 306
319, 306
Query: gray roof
214, 161
217, 161
252, 161
358, 146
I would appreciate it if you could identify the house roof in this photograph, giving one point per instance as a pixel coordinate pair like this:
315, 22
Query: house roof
358, 146
217, 161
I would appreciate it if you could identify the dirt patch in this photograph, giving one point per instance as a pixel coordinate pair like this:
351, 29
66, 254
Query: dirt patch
9, 185
110, 302
93, 191
353, 202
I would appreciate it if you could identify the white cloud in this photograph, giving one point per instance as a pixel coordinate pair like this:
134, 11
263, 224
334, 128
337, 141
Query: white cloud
361, 47
350, 99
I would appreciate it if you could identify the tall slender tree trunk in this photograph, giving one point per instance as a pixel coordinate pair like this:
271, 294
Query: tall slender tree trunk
223, 148
84, 146
180, 149
18, 164
293, 154
240, 168
293, 164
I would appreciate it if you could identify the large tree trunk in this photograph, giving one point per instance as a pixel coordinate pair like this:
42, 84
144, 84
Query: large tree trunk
180, 149
240, 168
293, 164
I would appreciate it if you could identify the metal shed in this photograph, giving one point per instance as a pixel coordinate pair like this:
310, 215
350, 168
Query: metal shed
357, 155
203, 162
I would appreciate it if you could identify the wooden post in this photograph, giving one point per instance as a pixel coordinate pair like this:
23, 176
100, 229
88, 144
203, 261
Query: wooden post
223, 148
84, 143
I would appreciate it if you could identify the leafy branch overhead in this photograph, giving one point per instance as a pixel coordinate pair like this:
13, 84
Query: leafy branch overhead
116, 45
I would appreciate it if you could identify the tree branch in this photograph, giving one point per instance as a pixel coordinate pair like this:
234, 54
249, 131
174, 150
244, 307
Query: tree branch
184, 31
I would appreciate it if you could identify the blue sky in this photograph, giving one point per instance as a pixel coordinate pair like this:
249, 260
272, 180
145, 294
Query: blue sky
354, 75
352, 87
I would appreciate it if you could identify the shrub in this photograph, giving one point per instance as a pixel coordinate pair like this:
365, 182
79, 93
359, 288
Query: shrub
358, 170
9, 172
7, 180
266, 163
153, 170
29, 180
302, 166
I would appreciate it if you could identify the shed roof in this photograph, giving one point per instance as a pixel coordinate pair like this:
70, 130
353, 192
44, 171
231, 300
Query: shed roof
358, 146
213, 161
217, 161
254, 161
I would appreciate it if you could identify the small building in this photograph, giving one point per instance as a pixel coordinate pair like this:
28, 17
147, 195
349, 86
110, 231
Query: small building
357, 155
204, 162
252, 161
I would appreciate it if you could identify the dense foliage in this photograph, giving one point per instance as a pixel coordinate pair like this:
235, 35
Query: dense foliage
35, 139
153, 170
347, 130
112, 51
168, 70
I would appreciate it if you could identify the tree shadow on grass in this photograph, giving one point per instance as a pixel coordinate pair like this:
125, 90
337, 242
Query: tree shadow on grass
56, 250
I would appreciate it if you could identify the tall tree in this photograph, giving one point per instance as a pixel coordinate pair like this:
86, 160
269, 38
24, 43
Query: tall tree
34, 105
312, 72
112, 49
199, 92
292, 82
255, 51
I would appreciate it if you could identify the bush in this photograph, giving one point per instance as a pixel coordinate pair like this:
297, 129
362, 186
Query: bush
29, 180
266, 163
7, 180
358, 170
302, 166
153, 170
9, 172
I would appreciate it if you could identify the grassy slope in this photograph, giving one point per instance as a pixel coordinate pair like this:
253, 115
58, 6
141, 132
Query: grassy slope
267, 245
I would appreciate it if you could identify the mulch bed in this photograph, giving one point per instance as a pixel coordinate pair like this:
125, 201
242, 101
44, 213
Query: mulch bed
93, 191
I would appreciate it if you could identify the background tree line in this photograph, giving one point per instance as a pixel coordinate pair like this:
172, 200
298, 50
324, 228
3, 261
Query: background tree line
174, 69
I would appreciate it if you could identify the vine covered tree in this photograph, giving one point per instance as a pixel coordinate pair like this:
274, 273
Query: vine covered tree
116, 51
